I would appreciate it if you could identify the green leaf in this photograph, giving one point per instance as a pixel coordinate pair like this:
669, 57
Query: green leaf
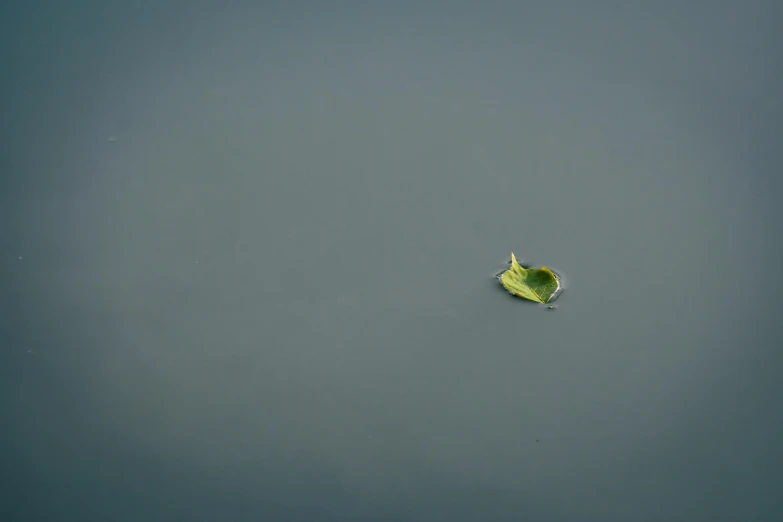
535, 284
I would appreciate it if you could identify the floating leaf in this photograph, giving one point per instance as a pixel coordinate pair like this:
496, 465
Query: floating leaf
535, 284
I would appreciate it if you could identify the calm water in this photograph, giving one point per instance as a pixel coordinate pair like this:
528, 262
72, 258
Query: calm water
248, 256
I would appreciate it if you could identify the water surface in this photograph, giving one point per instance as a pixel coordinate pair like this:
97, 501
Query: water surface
249, 250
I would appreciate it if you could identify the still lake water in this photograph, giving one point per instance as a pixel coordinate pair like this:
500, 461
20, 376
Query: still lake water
249, 256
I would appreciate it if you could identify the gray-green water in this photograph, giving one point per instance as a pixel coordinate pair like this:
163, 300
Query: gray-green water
248, 259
